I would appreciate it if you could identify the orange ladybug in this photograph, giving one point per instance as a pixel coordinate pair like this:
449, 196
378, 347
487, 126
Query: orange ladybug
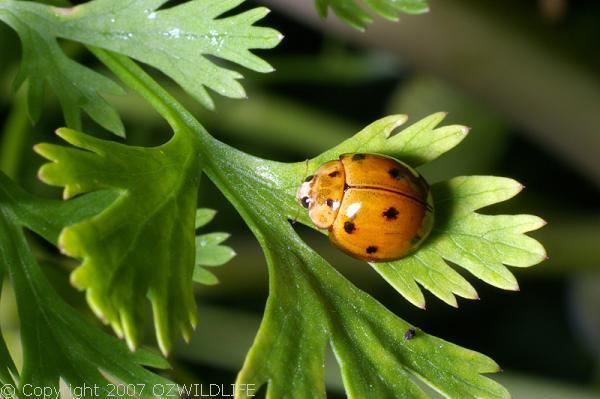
376, 208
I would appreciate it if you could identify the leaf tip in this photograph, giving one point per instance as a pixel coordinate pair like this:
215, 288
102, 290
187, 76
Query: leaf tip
120, 132
43, 150
131, 345
436, 118
64, 240
38, 148
187, 335
164, 342
41, 174
163, 349
62, 132
361, 29
395, 121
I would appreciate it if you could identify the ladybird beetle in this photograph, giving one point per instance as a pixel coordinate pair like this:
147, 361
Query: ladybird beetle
375, 208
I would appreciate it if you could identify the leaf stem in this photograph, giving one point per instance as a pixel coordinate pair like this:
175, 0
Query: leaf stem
137, 79
226, 166
216, 157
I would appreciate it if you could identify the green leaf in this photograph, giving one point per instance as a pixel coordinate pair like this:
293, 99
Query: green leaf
479, 243
142, 245
203, 276
8, 369
33, 212
178, 41
60, 347
212, 254
204, 216
310, 303
209, 252
356, 17
44, 62
482, 244
418, 144
423, 94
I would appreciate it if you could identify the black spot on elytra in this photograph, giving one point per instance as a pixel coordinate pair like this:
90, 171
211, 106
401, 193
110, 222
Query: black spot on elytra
334, 174
346, 187
309, 178
371, 249
358, 157
329, 202
409, 334
395, 173
305, 201
391, 213
349, 227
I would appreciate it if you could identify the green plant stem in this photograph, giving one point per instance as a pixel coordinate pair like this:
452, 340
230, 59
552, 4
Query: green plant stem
267, 119
214, 154
14, 137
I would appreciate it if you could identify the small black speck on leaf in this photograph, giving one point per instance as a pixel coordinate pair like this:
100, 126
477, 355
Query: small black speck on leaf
409, 334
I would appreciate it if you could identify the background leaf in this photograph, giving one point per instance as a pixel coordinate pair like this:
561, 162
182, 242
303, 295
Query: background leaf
356, 17
44, 62
209, 251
